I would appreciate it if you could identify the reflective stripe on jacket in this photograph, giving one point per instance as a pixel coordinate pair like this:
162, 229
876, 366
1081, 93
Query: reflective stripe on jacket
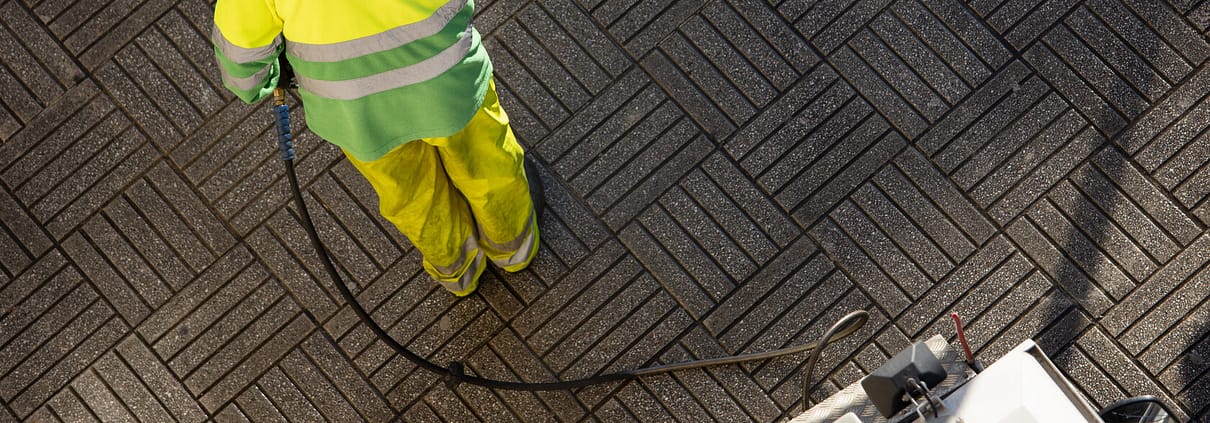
373, 74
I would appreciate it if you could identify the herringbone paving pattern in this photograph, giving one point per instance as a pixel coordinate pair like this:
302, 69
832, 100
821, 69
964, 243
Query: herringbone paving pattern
723, 177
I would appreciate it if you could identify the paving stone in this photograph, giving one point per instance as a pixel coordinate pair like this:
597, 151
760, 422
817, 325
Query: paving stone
771, 278
69, 405
1171, 329
25, 42
786, 123
843, 181
849, 257
156, 377
256, 405
69, 363
681, 87
1039, 167
1081, 251
571, 329
982, 278
882, 96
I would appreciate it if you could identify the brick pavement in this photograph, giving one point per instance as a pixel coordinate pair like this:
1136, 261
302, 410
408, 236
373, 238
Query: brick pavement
723, 176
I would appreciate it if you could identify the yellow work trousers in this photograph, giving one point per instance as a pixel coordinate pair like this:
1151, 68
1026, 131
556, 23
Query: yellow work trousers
460, 198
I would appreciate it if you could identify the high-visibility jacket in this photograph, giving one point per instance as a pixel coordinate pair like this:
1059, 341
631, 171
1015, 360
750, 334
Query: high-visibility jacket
373, 74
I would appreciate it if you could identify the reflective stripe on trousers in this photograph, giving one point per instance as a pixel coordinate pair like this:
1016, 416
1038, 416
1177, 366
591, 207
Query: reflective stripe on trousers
460, 198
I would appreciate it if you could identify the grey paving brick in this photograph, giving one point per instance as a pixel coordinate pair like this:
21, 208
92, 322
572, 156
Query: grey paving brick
781, 320
1046, 312
644, 189
916, 55
1165, 125
186, 352
124, 298
982, 278
129, 391
153, 374
773, 48
1077, 91
843, 181
105, 32
587, 335
232, 325
1106, 234
145, 72
1114, 51
1082, 251
231, 413
643, 24
345, 378
74, 201
755, 204
662, 122
185, 52
278, 388
24, 241
893, 222
145, 259
848, 255
58, 180
770, 279
1094, 71
100, 399
598, 125
1181, 268
677, 235
44, 165
637, 341
1187, 325
680, 86
690, 50
559, 77
995, 150
1134, 183
1060, 267
1133, 27
933, 204
523, 364
1049, 172
735, 227
69, 406
911, 84
881, 95
663, 265
786, 123
967, 27
567, 326
1104, 351
256, 405
24, 41
1083, 372
298, 279
255, 363
880, 248
71, 361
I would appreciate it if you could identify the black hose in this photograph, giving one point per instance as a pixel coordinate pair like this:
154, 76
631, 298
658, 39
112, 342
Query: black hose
842, 328
454, 373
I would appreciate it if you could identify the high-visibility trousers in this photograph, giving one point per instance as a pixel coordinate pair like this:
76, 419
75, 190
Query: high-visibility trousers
460, 198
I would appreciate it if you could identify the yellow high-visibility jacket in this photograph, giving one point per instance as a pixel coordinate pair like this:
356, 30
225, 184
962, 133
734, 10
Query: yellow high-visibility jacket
373, 74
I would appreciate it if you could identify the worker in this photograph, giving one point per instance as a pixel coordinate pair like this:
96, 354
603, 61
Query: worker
405, 89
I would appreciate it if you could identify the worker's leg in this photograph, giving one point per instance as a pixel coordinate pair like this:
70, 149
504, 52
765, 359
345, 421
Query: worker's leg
415, 194
486, 163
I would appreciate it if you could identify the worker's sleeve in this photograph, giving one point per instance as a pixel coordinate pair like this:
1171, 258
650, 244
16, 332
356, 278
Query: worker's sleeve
247, 41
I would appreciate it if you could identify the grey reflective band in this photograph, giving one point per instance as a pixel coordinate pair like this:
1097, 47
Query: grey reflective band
243, 55
467, 278
388, 40
470, 246
527, 235
352, 89
255, 81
